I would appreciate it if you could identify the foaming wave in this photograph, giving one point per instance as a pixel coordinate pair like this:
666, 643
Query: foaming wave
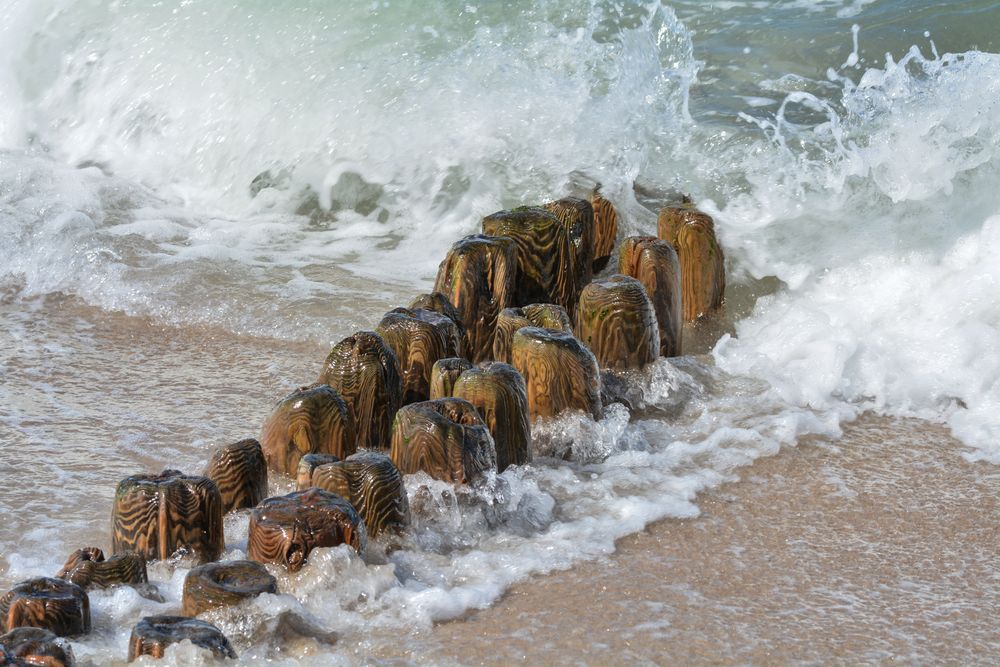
881, 219
900, 334
119, 246
438, 114
468, 545
903, 158
267, 168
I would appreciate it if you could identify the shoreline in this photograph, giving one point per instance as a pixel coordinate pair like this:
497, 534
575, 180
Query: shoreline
670, 593
881, 547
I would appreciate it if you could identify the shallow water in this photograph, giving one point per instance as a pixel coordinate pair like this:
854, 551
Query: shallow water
104, 395
880, 548
158, 297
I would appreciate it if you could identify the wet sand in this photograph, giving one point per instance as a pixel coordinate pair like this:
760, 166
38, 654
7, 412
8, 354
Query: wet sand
881, 548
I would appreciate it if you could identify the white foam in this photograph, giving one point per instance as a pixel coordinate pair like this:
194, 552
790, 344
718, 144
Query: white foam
465, 115
881, 222
873, 198
407, 140
468, 545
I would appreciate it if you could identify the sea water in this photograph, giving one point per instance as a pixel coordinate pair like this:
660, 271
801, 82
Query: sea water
198, 198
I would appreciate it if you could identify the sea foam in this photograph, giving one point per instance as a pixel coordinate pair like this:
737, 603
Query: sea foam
131, 145
881, 222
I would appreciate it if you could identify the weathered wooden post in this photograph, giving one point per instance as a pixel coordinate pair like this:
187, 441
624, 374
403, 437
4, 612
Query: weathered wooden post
545, 271
311, 420
364, 370
559, 372
498, 393
373, 484
284, 529
617, 322
158, 515
446, 438
703, 265
240, 472
478, 278
654, 263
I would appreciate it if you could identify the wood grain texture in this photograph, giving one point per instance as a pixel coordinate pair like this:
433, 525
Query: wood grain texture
215, 585
310, 420
545, 270
618, 323
703, 264
87, 568
478, 277
35, 646
441, 304
308, 463
364, 370
451, 332
498, 393
578, 216
56, 605
445, 373
446, 438
545, 315
417, 343
284, 529
559, 372
240, 471
605, 230
654, 263
158, 516
152, 635
372, 483
672, 218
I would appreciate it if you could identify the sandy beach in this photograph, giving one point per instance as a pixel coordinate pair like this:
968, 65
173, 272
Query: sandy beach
198, 201
883, 547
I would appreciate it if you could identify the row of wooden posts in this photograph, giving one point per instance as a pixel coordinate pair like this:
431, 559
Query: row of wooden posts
517, 327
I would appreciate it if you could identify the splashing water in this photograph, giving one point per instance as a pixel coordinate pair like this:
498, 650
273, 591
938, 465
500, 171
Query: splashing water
251, 181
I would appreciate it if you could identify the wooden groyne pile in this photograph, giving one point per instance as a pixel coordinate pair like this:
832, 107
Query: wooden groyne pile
519, 326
